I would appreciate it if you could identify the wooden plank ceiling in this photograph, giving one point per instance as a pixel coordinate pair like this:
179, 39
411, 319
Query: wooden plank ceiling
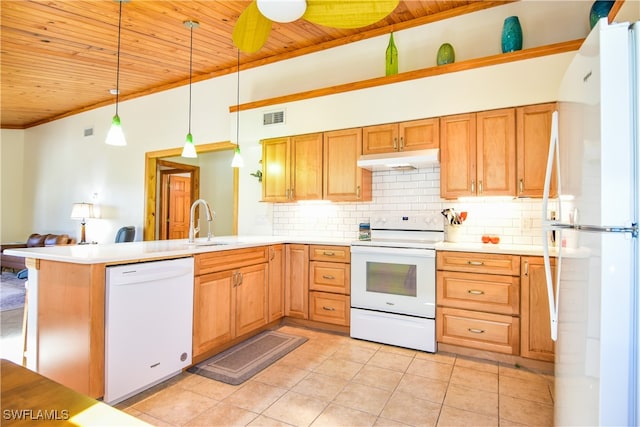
59, 56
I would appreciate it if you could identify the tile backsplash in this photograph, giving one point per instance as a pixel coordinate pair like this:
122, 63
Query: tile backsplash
515, 221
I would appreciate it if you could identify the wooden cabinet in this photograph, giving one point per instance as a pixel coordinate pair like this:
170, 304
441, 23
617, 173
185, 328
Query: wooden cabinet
292, 168
276, 282
230, 296
535, 335
405, 136
296, 288
343, 180
477, 152
315, 167
330, 284
478, 301
533, 123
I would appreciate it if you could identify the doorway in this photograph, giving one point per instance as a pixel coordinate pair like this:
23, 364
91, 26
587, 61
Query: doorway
176, 187
155, 219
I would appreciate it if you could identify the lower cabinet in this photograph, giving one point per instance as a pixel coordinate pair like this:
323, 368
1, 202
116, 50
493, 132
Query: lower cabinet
231, 302
330, 284
276, 282
296, 288
478, 301
535, 333
494, 302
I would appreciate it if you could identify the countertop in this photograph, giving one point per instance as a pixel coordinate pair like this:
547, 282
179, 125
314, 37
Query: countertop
30, 399
112, 253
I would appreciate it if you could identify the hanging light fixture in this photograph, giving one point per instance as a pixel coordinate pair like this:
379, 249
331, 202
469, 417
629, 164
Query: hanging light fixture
189, 149
116, 135
237, 161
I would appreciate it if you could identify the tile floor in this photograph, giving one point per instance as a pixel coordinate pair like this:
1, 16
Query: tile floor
333, 380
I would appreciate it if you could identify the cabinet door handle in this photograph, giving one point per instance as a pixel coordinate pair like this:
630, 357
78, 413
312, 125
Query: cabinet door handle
480, 187
241, 278
292, 194
324, 307
358, 191
272, 253
395, 143
328, 253
328, 277
473, 185
235, 279
475, 292
526, 268
476, 331
401, 143
521, 185
286, 194
475, 262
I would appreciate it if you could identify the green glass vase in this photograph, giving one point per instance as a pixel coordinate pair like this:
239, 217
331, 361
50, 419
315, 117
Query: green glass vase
391, 58
446, 54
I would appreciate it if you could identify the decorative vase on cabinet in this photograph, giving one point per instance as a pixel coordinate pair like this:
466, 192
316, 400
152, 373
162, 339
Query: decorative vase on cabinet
511, 35
391, 58
599, 9
446, 54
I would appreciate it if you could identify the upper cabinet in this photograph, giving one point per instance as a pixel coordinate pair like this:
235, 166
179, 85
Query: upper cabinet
404, 136
342, 179
495, 153
292, 168
315, 167
477, 154
533, 130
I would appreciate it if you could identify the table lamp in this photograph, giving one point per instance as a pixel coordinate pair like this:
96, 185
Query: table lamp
82, 211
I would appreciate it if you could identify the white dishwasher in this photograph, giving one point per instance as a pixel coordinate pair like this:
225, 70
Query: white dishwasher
148, 325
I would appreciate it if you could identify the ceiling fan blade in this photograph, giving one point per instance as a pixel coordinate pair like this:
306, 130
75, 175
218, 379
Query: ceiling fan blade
251, 30
348, 14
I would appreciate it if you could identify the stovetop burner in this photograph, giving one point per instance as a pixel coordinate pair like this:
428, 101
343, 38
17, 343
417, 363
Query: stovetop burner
405, 231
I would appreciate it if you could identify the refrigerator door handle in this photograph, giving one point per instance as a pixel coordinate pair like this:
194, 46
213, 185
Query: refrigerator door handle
554, 154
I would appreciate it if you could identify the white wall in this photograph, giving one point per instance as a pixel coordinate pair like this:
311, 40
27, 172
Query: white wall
62, 166
12, 170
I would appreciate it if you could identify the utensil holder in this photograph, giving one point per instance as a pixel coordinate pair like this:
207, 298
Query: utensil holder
453, 233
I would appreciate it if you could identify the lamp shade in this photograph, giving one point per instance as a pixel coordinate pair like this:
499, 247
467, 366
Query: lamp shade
282, 10
82, 211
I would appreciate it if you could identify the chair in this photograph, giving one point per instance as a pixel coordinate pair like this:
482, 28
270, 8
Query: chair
126, 234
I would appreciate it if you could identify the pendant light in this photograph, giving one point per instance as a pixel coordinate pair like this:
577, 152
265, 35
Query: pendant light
237, 161
189, 149
116, 135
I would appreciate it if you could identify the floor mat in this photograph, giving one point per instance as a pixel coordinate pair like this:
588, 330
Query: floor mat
12, 291
241, 362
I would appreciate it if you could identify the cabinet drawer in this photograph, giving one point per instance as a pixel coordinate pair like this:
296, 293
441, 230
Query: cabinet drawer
482, 292
484, 331
329, 253
329, 308
475, 262
330, 277
212, 262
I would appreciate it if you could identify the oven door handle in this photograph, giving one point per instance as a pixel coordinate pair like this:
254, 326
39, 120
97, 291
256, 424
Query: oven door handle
373, 250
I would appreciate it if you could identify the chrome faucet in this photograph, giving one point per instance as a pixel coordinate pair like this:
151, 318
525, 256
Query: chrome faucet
210, 217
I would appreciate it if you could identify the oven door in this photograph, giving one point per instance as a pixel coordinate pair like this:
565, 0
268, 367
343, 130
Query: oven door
394, 280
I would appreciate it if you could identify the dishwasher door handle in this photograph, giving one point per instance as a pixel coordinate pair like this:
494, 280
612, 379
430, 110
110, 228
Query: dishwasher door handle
134, 276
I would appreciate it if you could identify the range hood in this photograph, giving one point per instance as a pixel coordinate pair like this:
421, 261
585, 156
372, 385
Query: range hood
401, 160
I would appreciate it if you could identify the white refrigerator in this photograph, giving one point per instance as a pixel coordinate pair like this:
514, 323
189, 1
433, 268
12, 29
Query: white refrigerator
594, 302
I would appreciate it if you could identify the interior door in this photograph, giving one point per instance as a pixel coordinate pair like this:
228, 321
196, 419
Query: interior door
179, 201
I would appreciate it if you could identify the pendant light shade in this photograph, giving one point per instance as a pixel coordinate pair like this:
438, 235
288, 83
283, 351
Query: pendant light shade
116, 134
237, 161
189, 149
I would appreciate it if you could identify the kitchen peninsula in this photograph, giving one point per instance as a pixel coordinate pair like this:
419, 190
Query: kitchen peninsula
66, 296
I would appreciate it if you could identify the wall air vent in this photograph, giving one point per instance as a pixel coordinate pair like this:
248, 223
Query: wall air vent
88, 132
273, 118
